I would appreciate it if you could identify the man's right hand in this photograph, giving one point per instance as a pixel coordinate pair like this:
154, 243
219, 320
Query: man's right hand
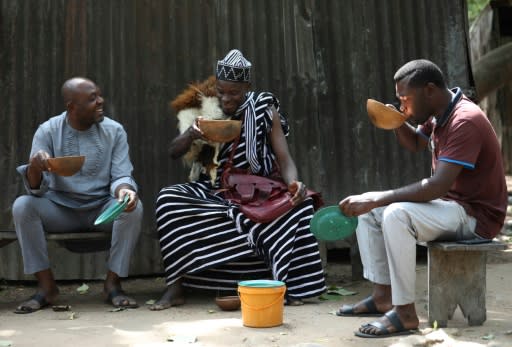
356, 205
194, 131
38, 162
36, 165
181, 144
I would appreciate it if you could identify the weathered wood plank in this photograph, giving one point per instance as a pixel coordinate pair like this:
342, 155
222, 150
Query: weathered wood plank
454, 246
86, 235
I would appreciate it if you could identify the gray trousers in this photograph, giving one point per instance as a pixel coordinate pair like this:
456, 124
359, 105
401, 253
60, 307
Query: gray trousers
35, 215
387, 239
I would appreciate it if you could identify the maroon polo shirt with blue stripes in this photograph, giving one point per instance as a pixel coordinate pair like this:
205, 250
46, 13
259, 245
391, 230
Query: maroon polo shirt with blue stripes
463, 135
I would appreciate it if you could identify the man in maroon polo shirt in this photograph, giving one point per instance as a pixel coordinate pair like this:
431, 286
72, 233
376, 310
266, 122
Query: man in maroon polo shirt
464, 198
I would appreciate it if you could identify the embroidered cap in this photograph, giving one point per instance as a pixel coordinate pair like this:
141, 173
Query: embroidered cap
234, 67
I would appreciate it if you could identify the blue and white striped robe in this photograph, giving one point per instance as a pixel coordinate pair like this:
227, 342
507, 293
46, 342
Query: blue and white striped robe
211, 244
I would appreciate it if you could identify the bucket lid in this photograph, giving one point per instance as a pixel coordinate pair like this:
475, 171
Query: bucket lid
261, 283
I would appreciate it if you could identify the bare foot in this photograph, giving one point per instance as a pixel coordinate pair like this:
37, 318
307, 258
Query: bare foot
289, 301
173, 296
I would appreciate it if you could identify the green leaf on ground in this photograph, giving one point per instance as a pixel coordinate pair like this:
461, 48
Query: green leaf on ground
82, 289
488, 337
332, 297
150, 302
339, 291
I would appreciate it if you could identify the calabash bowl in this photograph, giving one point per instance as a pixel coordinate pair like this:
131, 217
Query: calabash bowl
220, 130
65, 166
384, 117
228, 303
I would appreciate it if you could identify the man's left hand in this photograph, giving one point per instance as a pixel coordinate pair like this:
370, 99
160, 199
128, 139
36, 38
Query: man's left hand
132, 203
298, 189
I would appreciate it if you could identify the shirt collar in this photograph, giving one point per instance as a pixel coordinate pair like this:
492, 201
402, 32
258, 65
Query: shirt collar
443, 119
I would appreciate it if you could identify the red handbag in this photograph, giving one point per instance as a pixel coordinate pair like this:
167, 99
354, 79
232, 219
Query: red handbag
261, 199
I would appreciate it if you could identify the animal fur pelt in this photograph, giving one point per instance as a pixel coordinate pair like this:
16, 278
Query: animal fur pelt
199, 99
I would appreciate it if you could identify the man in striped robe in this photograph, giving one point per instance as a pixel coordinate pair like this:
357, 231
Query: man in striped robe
205, 240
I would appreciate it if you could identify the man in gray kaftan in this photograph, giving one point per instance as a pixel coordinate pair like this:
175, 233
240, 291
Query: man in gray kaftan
71, 204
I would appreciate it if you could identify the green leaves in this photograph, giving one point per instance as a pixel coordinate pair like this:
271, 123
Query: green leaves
82, 289
335, 293
339, 291
475, 7
488, 337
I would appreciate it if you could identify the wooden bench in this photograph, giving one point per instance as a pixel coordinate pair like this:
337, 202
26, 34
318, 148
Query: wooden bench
78, 242
457, 276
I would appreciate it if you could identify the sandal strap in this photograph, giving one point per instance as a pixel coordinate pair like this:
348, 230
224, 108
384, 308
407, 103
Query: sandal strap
367, 302
370, 304
114, 293
346, 309
121, 297
394, 320
40, 298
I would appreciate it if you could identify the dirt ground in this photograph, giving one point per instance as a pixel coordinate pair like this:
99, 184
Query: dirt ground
91, 321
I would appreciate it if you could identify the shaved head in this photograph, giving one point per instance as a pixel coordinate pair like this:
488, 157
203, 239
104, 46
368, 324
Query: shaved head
83, 102
72, 86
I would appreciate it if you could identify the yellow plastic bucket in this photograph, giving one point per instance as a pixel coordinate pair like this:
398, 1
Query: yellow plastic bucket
262, 303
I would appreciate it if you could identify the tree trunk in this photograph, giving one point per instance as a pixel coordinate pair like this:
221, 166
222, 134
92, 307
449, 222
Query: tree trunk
493, 70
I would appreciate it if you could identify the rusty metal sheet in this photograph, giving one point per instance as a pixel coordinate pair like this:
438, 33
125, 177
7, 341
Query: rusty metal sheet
323, 59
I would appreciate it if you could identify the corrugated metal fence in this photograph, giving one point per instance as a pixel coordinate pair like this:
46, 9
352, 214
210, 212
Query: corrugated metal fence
322, 58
